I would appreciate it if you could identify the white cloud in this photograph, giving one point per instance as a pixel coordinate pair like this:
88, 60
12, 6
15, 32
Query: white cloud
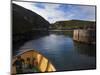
50, 12
90, 11
87, 11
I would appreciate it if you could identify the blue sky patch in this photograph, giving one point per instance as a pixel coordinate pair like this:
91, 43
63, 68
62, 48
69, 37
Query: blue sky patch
61, 12
40, 5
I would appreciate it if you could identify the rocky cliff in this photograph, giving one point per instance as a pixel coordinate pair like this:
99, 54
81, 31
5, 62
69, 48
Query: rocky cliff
25, 20
26, 24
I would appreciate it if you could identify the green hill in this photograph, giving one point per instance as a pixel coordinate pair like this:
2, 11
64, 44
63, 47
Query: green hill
26, 24
25, 20
73, 24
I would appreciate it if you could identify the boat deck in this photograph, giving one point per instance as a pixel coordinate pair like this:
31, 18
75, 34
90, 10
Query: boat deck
42, 65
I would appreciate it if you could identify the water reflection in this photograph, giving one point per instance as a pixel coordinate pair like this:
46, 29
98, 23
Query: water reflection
67, 33
63, 52
85, 49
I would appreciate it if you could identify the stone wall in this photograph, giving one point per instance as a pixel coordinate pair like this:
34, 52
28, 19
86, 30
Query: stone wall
86, 36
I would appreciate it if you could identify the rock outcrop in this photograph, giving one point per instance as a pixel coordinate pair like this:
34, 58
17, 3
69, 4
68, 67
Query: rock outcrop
26, 22
26, 25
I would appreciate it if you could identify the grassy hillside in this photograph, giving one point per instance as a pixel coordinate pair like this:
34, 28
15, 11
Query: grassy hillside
72, 24
25, 20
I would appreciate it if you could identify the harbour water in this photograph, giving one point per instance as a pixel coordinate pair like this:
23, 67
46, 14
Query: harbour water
64, 53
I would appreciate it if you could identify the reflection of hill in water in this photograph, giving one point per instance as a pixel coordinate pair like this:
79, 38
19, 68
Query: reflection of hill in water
86, 49
66, 33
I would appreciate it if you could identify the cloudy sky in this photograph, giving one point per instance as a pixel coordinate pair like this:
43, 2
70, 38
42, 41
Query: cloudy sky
60, 12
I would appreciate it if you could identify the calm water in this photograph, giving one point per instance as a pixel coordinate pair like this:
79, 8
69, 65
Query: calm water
63, 52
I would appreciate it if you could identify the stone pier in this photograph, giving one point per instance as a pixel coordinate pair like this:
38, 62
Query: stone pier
85, 35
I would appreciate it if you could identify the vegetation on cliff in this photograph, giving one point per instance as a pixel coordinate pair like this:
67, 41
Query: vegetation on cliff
72, 24
26, 22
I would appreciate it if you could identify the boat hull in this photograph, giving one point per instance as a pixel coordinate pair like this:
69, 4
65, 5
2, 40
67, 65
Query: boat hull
44, 64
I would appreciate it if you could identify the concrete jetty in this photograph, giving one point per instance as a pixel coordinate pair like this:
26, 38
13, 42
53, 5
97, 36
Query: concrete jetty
85, 35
